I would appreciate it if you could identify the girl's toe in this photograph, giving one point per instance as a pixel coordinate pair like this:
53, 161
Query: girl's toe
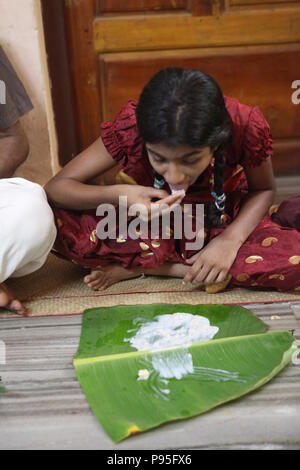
103, 287
95, 284
93, 277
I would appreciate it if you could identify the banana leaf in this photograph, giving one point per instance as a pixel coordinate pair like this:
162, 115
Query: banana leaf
2, 389
239, 359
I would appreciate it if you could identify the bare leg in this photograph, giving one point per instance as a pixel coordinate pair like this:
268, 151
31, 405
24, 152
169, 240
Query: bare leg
102, 278
14, 149
7, 300
170, 270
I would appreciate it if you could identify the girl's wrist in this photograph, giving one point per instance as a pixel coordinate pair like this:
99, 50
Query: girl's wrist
233, 237
110, 194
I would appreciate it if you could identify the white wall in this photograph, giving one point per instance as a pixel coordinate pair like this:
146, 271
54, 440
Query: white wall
22, 38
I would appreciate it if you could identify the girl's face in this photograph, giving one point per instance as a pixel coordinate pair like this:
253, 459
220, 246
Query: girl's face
180, 166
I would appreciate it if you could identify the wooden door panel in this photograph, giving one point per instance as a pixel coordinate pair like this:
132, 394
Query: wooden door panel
156, 32
261, 2
250, 76
119, 6
196, 7
250, 46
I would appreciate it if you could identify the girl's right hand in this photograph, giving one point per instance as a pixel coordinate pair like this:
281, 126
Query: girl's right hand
143, 195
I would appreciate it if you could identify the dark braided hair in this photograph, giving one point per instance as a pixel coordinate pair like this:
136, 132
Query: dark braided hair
186, 107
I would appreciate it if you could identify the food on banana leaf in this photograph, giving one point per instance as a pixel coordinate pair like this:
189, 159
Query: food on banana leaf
197, 356
144, 374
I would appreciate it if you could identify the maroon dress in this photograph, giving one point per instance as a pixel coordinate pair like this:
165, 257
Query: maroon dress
269, 258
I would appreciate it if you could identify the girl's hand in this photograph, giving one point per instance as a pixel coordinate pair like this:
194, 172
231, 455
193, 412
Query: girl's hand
212, 263
143, 195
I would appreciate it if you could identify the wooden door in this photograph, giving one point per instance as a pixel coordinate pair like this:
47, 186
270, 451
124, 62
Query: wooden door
251, 47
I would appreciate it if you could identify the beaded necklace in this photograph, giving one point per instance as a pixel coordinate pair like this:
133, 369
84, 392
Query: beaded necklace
219, 200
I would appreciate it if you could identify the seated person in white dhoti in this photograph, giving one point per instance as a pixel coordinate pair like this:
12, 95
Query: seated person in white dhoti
27, 229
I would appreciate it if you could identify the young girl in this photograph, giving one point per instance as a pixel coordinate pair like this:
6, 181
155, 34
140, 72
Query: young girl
184, 135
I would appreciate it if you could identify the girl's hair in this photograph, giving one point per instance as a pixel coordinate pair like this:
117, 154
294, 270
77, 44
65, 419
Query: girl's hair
186, 107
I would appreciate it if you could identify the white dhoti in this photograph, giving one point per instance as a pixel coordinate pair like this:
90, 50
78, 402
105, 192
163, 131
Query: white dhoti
27, 228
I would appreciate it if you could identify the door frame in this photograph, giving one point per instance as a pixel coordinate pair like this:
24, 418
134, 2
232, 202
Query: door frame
62, 91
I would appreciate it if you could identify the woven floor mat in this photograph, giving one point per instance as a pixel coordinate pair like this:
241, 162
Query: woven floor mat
58, 289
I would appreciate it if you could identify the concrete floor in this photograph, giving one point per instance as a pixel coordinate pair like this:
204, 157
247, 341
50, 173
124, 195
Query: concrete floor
46, 409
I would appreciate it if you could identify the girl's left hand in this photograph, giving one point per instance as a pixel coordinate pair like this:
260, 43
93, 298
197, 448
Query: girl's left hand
212, 263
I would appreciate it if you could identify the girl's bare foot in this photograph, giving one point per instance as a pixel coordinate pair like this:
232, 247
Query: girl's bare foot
100, 279
8, 301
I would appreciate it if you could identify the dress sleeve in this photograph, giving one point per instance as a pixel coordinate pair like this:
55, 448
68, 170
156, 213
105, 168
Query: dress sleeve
257, 144
17, 102
121, 137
